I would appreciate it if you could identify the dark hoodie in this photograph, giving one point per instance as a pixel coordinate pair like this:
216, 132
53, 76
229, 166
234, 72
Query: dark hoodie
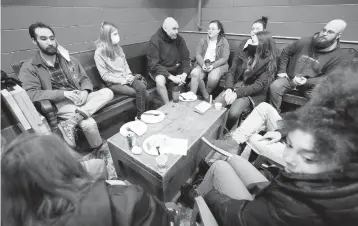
166, 55
328, 199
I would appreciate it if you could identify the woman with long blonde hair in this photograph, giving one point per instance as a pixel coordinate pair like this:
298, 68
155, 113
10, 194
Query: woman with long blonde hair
114, 70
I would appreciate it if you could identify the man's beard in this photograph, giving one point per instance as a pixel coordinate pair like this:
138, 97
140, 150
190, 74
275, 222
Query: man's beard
322, 43
50, 50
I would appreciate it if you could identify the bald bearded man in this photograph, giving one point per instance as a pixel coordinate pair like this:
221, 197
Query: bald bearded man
305, 62
168, 58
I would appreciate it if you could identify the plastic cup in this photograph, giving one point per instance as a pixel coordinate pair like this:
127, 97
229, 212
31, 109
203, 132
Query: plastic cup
175, 94
161, 161
218, 105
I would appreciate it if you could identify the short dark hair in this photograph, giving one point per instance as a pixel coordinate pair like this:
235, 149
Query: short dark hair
33, 27
263, 20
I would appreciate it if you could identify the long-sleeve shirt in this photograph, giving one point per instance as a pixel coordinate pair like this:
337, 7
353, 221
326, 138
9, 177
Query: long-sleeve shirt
300, 57
113, 71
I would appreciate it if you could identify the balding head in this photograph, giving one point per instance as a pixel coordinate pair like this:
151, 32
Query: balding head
328, 36
338, 26
170, 26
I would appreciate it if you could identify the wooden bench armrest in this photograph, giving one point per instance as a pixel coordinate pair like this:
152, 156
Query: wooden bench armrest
200, 207
47, 109
294, 99
221, 151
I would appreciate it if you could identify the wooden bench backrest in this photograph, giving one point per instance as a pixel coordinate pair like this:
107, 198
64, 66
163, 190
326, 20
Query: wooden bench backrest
138, 65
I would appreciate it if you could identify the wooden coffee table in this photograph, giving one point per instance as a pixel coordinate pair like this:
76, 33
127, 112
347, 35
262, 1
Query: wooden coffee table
180, 122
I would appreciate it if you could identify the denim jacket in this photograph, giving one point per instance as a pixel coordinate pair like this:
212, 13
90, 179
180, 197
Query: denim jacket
222, 51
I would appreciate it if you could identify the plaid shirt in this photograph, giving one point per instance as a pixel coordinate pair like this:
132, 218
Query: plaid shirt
59, 80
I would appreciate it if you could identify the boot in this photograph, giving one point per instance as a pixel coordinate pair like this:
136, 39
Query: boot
188, 195
67, 129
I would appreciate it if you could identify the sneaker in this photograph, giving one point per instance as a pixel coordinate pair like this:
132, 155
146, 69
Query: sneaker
68, 133
188, 195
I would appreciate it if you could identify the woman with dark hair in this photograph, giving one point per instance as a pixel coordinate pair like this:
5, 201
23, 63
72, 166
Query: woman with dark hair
259, 25
257, 70
212, 54
43, 185
114, 70
319, 183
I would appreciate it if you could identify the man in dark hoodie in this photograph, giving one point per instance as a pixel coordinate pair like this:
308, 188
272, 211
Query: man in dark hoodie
168, 58
305, 62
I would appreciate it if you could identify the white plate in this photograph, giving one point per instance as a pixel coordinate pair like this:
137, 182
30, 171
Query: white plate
190, 98
138, 127
151, 143
152, 118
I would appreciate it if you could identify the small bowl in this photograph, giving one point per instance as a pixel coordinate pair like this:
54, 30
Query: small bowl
218, 106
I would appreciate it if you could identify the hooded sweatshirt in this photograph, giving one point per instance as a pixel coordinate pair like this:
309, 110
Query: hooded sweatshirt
166, 55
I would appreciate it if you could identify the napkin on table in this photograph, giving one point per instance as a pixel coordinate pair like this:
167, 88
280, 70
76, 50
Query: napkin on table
176, 146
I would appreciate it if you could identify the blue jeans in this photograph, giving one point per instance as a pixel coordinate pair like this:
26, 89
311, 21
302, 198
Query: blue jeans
281, 86
236, 109
137, 90
264, 117
198, 75
231, 178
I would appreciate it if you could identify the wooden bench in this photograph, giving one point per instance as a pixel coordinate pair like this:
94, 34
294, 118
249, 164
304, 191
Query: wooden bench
118, 105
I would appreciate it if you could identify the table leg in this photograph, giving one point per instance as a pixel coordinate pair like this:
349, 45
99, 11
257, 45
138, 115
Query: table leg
222, 127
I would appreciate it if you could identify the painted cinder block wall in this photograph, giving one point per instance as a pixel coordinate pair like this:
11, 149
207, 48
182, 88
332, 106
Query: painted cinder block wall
76, 23
293, 18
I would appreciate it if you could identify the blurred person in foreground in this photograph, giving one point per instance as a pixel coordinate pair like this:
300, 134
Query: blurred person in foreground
44, 185
319, 183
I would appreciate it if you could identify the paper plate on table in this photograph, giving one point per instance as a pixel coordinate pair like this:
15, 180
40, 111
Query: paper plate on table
152, 116
189, 96
138, 127
151, 143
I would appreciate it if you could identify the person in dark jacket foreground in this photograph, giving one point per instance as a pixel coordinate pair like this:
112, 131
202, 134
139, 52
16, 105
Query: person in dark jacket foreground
168, 58
42, 184
319, 184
